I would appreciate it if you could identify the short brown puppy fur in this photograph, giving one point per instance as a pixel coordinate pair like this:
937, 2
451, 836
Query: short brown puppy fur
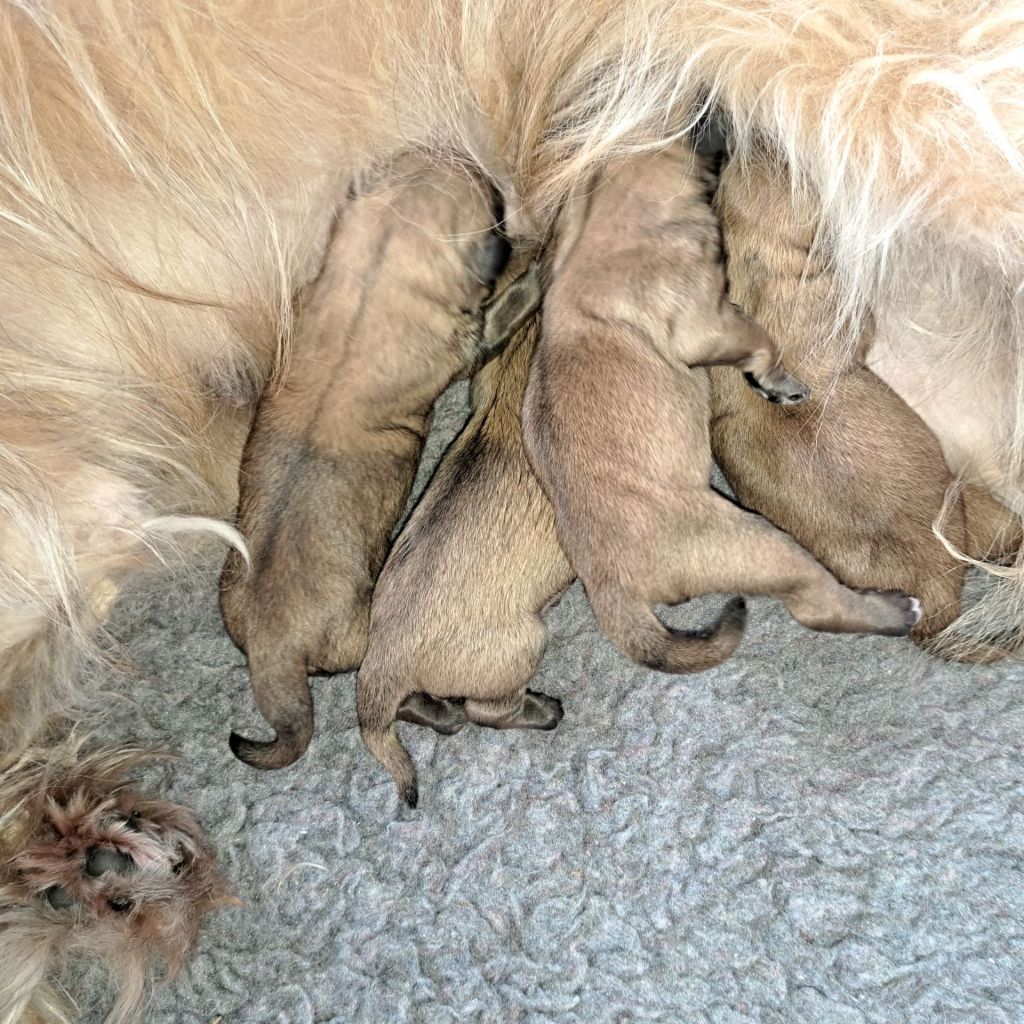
854, 475
616, 423
457, 609
397, 313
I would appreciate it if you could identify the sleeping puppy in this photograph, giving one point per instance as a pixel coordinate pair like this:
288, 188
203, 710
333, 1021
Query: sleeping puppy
457, 609
616, 423
398, 312
853, 475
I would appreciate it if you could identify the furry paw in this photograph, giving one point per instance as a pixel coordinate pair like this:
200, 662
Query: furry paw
90, 866
541, 711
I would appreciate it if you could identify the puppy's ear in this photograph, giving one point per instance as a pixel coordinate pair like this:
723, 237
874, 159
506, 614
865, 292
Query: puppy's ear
509, 310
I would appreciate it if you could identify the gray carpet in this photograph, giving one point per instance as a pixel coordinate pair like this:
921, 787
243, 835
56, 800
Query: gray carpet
824, 830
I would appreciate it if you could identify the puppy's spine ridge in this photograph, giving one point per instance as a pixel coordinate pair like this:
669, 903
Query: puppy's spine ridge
641, 635
281, 687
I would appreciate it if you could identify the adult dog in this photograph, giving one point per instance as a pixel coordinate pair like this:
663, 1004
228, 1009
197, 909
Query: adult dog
169, 176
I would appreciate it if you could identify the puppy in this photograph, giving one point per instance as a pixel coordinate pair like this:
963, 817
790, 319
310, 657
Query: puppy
854, 475
457, 609
396, 315
616, 423
90, 867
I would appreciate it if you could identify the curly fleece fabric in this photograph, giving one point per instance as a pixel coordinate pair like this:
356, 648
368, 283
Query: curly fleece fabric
823, 830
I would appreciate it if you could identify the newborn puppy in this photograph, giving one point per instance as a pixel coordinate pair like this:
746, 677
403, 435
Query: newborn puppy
616, 423
457, 609
854, 475
397, 313
89, 867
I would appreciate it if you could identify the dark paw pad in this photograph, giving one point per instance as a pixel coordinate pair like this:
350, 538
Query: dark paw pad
100, 859
59, 898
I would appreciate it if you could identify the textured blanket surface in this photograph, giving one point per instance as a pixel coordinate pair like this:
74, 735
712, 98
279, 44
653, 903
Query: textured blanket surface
825, 830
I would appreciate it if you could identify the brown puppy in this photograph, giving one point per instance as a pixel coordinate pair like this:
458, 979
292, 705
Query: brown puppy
396, 314
456, 611
616, 423
854, 475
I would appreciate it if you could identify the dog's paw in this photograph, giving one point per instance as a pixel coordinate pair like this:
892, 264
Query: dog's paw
897, 613
89, 866
446, 717
779, 388
541, 711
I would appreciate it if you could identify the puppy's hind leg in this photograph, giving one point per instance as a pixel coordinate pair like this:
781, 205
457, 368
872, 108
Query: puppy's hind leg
747, 346
281, 688
739, 551
527, 709
444, 716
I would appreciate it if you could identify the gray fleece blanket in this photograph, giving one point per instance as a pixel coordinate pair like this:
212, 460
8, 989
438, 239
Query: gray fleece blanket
824, 830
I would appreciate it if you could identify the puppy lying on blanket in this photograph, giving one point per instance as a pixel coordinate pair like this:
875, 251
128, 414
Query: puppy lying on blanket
456, 611
395, 316
90, 867
853, 475
616, 423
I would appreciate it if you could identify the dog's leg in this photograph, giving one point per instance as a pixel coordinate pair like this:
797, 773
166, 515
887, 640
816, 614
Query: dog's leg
739, 551
748, 347
527, 709
444, 716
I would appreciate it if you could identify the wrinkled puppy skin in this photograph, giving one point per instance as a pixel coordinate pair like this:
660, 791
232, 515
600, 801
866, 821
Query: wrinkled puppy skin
854, 475
90, 867
616, 424
457, 608
397, 313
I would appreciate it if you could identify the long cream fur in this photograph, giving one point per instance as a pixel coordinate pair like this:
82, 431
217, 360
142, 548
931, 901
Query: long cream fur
169, 172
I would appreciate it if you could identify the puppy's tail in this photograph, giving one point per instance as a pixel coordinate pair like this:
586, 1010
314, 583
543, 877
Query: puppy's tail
377, 727
281, 688
641, 635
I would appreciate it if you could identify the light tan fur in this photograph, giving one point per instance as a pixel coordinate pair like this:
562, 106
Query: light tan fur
457, 609
170, 172
854, 475
615, 423
396, 314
